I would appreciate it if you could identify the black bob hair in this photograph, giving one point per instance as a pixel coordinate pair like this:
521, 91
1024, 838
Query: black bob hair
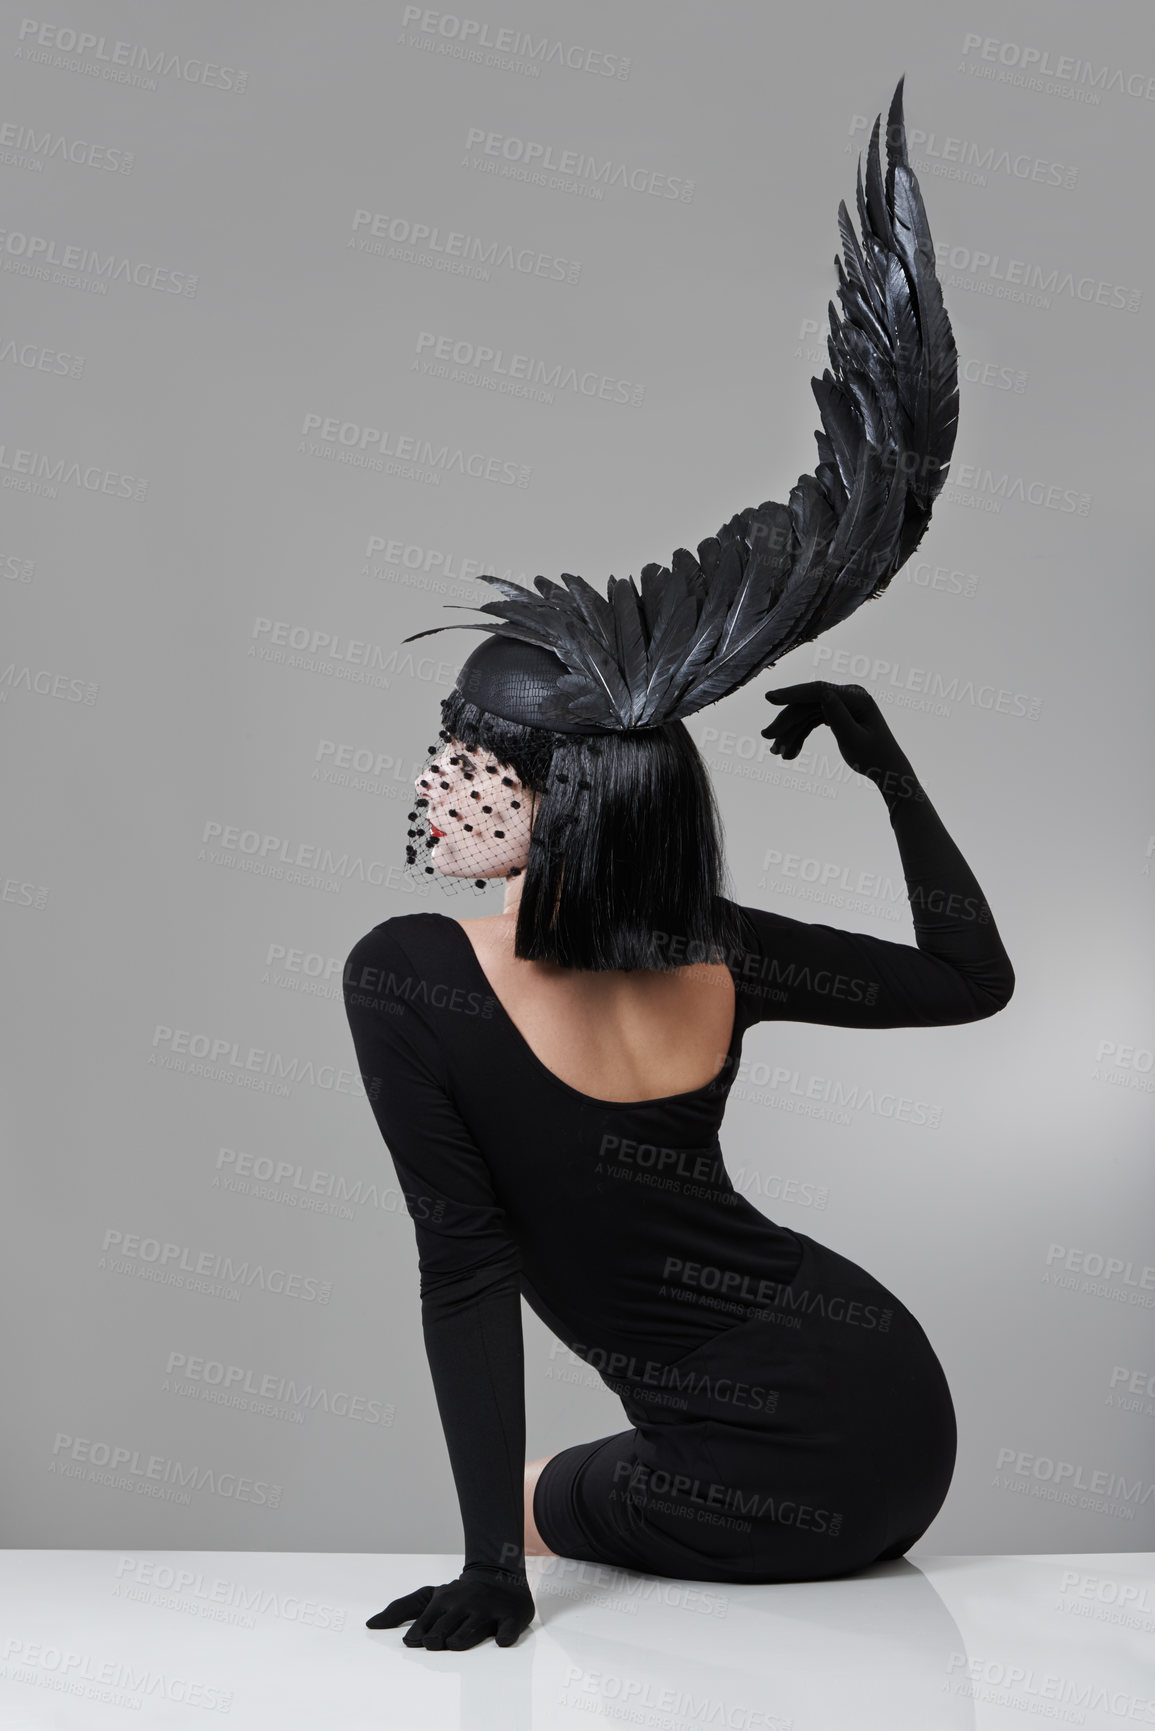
626, 865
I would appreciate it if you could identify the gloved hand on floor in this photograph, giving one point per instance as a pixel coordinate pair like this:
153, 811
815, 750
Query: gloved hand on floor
462, 1613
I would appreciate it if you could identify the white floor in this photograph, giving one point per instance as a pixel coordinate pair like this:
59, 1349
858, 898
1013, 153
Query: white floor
96, 1639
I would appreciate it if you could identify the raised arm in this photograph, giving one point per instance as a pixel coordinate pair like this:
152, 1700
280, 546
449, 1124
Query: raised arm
470, 1298
956, 971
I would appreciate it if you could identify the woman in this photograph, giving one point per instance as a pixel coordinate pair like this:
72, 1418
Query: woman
555, 1134
550, 1081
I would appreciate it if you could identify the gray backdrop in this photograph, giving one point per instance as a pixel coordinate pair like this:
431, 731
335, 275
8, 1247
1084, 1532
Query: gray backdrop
308, 316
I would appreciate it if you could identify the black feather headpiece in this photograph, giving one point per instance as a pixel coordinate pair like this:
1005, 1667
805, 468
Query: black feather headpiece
775, 576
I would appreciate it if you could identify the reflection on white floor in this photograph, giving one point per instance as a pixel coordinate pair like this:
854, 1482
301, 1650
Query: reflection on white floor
151, 1639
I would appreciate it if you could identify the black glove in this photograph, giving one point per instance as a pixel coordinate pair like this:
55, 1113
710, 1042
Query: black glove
463, 1612
857, 723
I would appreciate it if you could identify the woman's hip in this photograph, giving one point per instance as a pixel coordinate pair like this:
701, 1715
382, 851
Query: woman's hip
834, 1367
801, 1443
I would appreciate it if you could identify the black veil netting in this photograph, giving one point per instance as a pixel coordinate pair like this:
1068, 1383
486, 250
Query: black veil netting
480, 786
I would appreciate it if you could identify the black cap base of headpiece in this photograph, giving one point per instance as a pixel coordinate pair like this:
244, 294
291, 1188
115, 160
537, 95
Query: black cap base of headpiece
509, 677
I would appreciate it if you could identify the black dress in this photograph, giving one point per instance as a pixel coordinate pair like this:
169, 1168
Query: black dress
788, 1418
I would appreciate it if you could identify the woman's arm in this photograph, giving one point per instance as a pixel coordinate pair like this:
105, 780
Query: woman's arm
468, 1263
958, 969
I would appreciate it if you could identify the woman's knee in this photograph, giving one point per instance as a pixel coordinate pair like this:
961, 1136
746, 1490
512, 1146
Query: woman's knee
535, 1545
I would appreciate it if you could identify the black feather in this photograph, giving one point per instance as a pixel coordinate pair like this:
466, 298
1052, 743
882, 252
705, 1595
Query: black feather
776, 576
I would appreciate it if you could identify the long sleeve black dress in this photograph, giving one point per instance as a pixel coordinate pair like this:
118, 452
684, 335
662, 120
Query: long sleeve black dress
788, 1418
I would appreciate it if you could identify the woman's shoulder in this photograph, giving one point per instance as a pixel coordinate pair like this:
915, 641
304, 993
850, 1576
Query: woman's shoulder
398, 938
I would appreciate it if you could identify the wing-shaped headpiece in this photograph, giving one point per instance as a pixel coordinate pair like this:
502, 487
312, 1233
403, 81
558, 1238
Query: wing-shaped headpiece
776, 576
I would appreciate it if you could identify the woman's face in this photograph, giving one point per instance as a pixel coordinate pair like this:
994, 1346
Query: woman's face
478, 811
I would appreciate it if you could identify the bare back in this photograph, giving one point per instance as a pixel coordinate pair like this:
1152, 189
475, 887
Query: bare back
613, 1035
